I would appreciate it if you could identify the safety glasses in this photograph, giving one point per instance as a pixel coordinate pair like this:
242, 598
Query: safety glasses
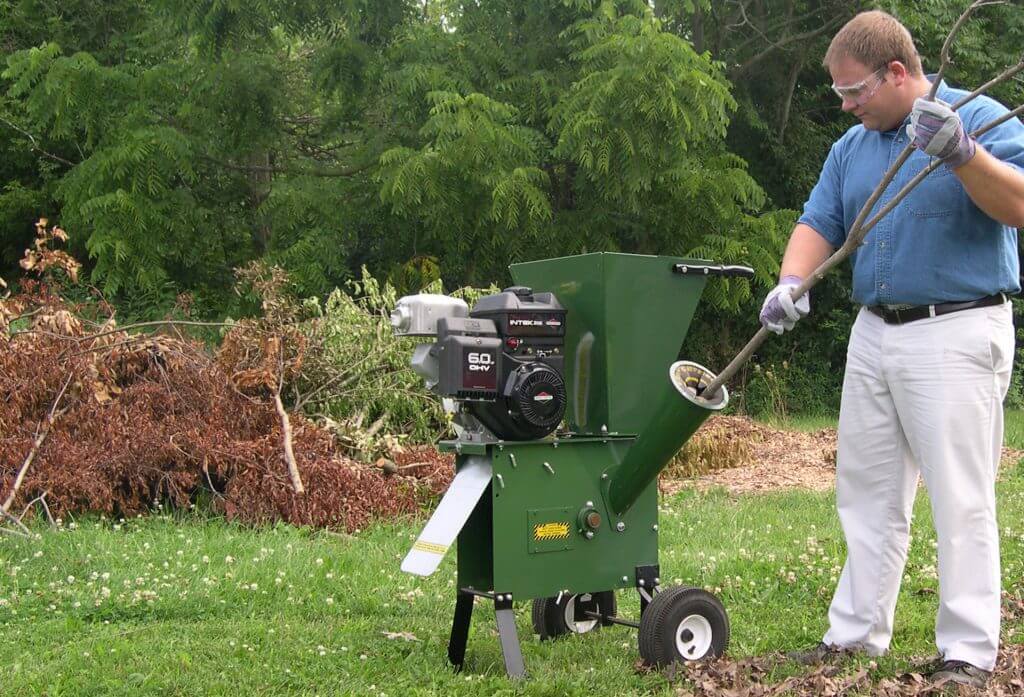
859, 93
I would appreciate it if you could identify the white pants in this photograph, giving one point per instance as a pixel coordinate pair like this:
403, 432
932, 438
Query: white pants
922, 397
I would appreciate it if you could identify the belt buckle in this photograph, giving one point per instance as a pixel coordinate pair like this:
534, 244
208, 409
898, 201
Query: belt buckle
896, 316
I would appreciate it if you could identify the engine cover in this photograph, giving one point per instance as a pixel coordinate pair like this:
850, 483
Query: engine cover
503, 363
532, 405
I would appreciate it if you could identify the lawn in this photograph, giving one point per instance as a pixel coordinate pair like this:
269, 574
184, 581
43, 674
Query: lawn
184, 604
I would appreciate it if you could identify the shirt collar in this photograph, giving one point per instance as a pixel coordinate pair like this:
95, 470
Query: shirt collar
943, 91
943, 94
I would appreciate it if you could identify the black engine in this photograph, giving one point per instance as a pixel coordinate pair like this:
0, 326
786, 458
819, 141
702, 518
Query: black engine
505, 362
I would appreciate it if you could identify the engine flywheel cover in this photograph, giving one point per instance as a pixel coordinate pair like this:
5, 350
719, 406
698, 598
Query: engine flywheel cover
538, 396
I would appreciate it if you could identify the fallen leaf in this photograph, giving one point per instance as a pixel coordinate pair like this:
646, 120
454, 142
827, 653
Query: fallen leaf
408, 636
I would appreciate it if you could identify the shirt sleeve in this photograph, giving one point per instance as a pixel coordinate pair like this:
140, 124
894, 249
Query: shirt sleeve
1005, 141
823, 210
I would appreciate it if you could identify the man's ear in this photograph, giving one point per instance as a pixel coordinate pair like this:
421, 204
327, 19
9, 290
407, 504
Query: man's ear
899, 72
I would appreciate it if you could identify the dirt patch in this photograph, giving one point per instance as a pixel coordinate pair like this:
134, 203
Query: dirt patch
775, 459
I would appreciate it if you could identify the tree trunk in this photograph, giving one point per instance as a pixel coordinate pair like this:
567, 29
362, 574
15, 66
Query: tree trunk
787, 101
698, 27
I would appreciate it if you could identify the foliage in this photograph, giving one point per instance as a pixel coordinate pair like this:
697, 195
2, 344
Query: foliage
177, 141
320, 138
561, 130
358, 379
371, 391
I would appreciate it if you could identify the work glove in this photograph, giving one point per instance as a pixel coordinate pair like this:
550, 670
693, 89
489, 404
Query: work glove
779, 312
937, 130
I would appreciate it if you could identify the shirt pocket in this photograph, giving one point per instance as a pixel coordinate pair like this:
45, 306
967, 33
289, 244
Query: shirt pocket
939, 195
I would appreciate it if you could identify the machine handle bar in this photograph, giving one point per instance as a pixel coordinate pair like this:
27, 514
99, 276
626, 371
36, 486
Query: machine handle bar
714, 270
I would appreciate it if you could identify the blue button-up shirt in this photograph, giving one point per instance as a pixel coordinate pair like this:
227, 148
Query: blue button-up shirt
936, 246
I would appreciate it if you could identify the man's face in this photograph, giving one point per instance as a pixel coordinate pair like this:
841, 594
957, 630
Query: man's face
868, 93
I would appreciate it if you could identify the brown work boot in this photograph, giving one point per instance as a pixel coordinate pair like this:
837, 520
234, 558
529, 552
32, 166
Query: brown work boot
961, 673
822, 653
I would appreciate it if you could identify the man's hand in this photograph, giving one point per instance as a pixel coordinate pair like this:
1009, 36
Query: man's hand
779, 312
937, 130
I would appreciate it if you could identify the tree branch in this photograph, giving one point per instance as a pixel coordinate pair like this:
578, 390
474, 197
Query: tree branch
286, 428
35, 145
40, 437
278, 169
787, 102
750, 62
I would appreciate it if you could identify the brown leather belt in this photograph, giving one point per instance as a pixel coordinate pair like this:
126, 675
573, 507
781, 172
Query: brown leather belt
921, 311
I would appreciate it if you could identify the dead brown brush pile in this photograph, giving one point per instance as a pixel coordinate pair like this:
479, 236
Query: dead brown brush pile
154, 421
107, 421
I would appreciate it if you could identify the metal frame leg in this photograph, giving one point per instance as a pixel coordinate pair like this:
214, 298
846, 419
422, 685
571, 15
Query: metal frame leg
647, 582
508, 636
460, 629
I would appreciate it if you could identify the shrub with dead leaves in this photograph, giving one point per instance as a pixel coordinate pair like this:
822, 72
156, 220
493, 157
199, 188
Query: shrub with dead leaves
114, 421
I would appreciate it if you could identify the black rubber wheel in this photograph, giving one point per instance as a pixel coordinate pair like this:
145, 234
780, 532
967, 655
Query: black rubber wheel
553, 619
683, 624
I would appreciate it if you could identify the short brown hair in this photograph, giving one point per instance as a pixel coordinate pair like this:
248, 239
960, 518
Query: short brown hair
874, 38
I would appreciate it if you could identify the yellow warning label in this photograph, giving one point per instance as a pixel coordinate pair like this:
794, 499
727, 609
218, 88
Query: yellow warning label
430, 547
551, 531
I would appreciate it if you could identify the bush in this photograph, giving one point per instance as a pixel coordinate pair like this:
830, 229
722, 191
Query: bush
357, 378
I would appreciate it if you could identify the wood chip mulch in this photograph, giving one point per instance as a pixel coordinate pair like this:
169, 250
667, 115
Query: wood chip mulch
778, 459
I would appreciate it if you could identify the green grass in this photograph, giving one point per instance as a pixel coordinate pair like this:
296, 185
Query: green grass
183, 606
1013, 432
801, 422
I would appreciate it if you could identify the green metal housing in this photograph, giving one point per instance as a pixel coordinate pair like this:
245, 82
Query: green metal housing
627, 316
534, 533
525, 537
577, 514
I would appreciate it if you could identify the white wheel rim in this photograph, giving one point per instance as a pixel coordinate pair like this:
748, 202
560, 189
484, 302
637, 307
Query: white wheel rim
570, 618
693, 637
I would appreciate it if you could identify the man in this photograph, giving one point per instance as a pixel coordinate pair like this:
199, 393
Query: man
930, 353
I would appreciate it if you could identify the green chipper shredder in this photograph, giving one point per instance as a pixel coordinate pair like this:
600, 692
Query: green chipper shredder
567, 400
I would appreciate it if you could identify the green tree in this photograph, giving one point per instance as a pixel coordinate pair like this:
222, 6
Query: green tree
555, 128
183, 139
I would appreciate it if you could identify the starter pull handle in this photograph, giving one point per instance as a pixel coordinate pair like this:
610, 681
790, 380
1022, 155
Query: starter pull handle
726, 271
